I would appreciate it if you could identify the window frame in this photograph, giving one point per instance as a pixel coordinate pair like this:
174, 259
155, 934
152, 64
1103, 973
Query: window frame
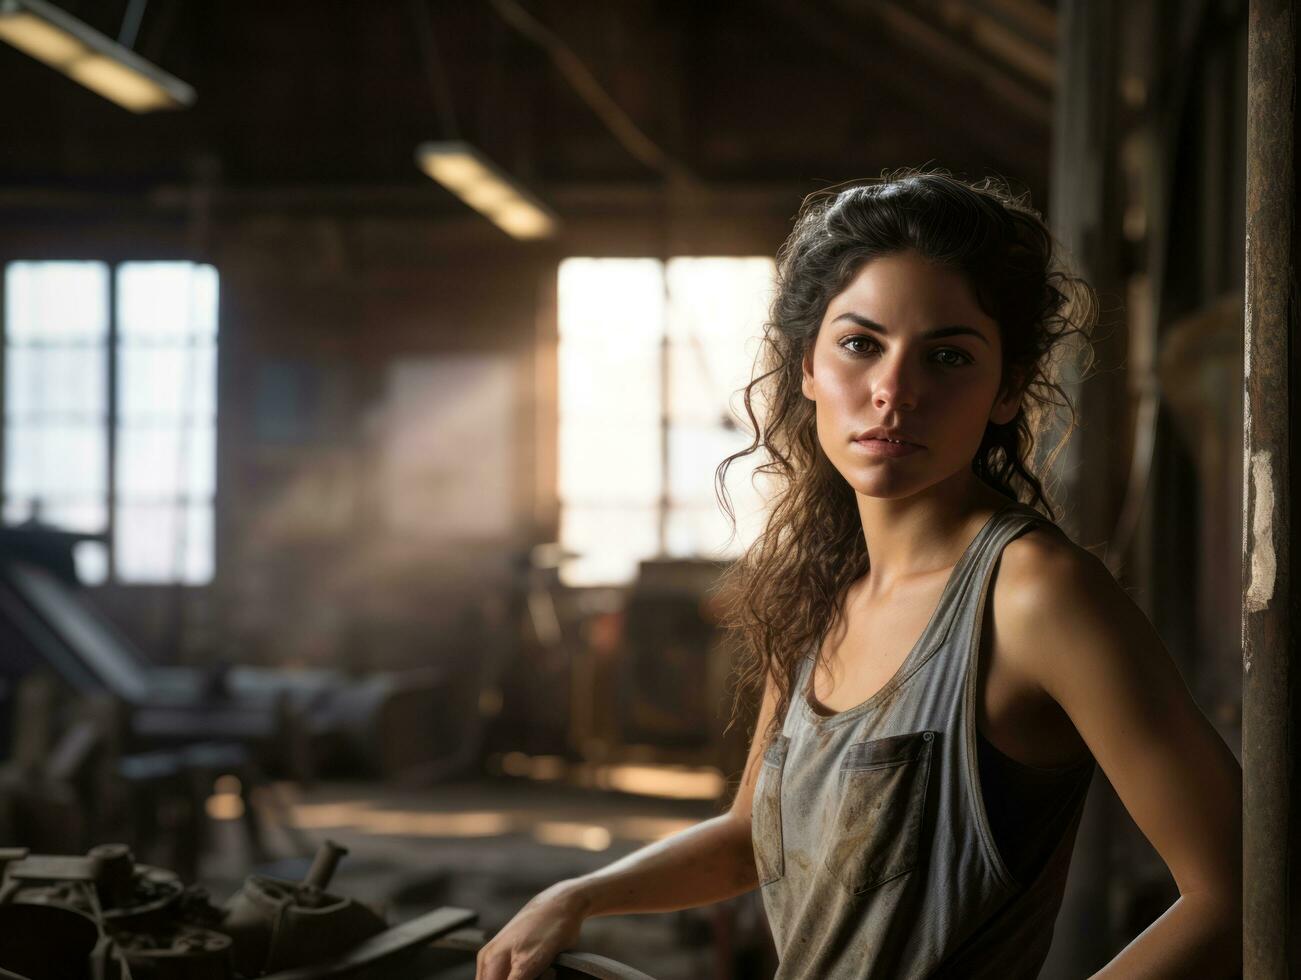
665, 506
112, 416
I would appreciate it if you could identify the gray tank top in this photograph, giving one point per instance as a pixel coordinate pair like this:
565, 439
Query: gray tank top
873, 847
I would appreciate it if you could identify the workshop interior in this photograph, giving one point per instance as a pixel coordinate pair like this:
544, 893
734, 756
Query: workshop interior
366, 369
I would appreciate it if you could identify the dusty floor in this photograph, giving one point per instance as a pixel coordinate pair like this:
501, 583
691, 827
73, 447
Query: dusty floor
489, 845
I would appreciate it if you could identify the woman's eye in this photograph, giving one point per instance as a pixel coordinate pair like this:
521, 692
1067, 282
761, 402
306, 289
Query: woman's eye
958, 357
856, 340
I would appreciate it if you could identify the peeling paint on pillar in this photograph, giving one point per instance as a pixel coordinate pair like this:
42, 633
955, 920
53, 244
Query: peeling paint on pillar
1261, 557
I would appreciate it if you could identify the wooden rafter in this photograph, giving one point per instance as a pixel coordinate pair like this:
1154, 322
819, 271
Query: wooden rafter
1002, 138
954, 57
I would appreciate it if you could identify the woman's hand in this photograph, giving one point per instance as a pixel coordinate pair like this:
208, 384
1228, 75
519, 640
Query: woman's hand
522, 950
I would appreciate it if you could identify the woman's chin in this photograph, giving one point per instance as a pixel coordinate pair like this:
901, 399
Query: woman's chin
889, 483
888, 489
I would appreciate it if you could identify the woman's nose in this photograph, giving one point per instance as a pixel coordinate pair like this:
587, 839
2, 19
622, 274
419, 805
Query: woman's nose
895, 385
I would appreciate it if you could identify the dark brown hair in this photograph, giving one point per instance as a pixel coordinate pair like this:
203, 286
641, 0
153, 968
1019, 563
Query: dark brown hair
784, 592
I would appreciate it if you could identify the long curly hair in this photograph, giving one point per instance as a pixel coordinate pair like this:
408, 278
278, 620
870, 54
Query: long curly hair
781, 595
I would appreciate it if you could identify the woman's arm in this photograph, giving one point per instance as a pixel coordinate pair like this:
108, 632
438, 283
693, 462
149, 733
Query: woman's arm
1064, 621
708, 862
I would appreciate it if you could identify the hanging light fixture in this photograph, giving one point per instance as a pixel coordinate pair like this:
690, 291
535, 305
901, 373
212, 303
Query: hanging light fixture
87, 56
469, 175
461, 168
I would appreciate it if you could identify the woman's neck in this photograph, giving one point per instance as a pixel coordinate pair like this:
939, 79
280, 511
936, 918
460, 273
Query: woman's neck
921, 533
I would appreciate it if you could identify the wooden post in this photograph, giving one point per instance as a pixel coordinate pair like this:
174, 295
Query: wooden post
1271, 669
1085, 217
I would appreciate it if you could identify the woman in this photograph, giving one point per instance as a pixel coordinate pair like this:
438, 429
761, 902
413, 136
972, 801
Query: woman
941, 667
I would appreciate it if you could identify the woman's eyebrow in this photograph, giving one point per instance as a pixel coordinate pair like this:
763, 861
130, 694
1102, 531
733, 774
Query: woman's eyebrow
949, 331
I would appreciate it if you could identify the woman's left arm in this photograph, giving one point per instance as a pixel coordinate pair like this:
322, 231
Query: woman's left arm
1069, 626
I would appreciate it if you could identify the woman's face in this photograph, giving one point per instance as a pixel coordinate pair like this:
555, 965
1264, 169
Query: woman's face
905, 347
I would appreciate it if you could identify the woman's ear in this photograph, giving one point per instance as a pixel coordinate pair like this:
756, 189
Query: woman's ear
806, 367
1009, 399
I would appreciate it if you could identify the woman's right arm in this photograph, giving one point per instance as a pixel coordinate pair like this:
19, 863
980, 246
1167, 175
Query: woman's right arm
708, 862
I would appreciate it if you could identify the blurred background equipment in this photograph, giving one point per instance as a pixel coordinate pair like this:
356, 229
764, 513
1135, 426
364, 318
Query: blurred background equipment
673, 665
294, 722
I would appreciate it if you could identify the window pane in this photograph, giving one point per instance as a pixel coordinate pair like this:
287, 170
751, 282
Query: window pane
599, 378
610, 542
697, 532
611, 325
164, 543
166, 382
695, 392
166, 442
609, 463
56, 302
717, 308
46, 381
707, 533
612, 301
703, 528
718, 295
55, 460
166, 301
694, 453
55, 401
161, 462
716, 312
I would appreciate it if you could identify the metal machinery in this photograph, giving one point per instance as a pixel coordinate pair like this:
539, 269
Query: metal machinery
103, 917
294, 721
100, 741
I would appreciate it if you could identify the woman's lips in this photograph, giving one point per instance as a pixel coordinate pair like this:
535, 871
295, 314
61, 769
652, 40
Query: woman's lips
883, 447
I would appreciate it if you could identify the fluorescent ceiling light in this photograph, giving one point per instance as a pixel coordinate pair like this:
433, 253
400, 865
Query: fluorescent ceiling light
82, 53
469, 175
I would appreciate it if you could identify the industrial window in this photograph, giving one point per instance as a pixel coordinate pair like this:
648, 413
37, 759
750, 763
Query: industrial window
110, 412
652, 358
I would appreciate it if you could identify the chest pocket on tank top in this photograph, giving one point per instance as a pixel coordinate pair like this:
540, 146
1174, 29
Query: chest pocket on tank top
876, 831
766, 813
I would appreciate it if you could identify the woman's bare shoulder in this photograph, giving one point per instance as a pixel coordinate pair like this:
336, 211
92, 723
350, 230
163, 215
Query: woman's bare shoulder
1066, 624
1052, 596
1043, 566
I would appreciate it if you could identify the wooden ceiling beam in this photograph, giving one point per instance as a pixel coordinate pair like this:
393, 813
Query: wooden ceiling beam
1008, 141
967, 22
620, 125
1035, 21
953, 57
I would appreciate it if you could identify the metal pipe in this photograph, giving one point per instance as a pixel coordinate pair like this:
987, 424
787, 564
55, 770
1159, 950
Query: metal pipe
1271, 669
135, 13
327, 859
